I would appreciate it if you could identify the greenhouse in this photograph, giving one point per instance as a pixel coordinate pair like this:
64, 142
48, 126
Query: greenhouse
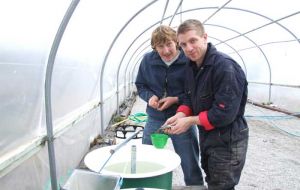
68, 70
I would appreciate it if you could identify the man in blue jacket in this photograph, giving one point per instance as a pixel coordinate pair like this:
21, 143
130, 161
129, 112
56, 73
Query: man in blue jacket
160, 82
216, 95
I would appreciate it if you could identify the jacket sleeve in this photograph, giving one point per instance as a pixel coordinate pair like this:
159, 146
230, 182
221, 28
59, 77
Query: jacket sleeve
141, 82
229, 86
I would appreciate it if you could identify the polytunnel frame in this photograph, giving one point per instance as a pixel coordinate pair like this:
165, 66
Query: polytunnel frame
134, 67
161, 21
125, 53
105, 60
241, 34
49, 70
243, 62
175, 13
48, 79
52, 56
272, 22
138, 61
126, 68
148, 46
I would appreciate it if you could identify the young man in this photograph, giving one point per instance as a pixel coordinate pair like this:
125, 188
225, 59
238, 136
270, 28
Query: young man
216, 95
160, 82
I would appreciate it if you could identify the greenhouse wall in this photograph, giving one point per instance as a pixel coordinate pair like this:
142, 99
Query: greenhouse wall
96, 62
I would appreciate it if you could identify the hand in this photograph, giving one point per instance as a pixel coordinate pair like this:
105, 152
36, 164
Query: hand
173, 120
166, 103
182, 124
153, 102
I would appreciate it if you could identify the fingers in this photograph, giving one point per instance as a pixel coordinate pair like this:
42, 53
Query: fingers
173, 130
153, 102
170, 121
177, 125
163, 104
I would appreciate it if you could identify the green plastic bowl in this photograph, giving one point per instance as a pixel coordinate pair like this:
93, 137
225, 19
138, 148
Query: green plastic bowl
159, 140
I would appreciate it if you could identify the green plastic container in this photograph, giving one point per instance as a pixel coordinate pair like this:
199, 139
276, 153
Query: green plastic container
163, 181
159, 140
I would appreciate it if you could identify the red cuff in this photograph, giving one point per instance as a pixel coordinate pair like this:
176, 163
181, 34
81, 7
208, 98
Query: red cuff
205, 122
185, 109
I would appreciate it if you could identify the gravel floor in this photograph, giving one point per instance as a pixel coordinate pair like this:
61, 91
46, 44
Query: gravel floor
273, 157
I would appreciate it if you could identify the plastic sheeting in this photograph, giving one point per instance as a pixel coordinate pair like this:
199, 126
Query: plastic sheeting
106, 40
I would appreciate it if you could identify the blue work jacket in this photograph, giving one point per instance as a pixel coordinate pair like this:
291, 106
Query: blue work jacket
155, 78
219, 88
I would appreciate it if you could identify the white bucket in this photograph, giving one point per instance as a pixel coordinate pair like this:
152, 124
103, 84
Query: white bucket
160, 164
144, 153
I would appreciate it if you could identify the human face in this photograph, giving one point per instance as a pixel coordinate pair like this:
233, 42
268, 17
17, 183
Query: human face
167, 51
193, 45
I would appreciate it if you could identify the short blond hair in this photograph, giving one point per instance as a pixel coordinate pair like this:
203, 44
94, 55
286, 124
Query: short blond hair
163, 34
